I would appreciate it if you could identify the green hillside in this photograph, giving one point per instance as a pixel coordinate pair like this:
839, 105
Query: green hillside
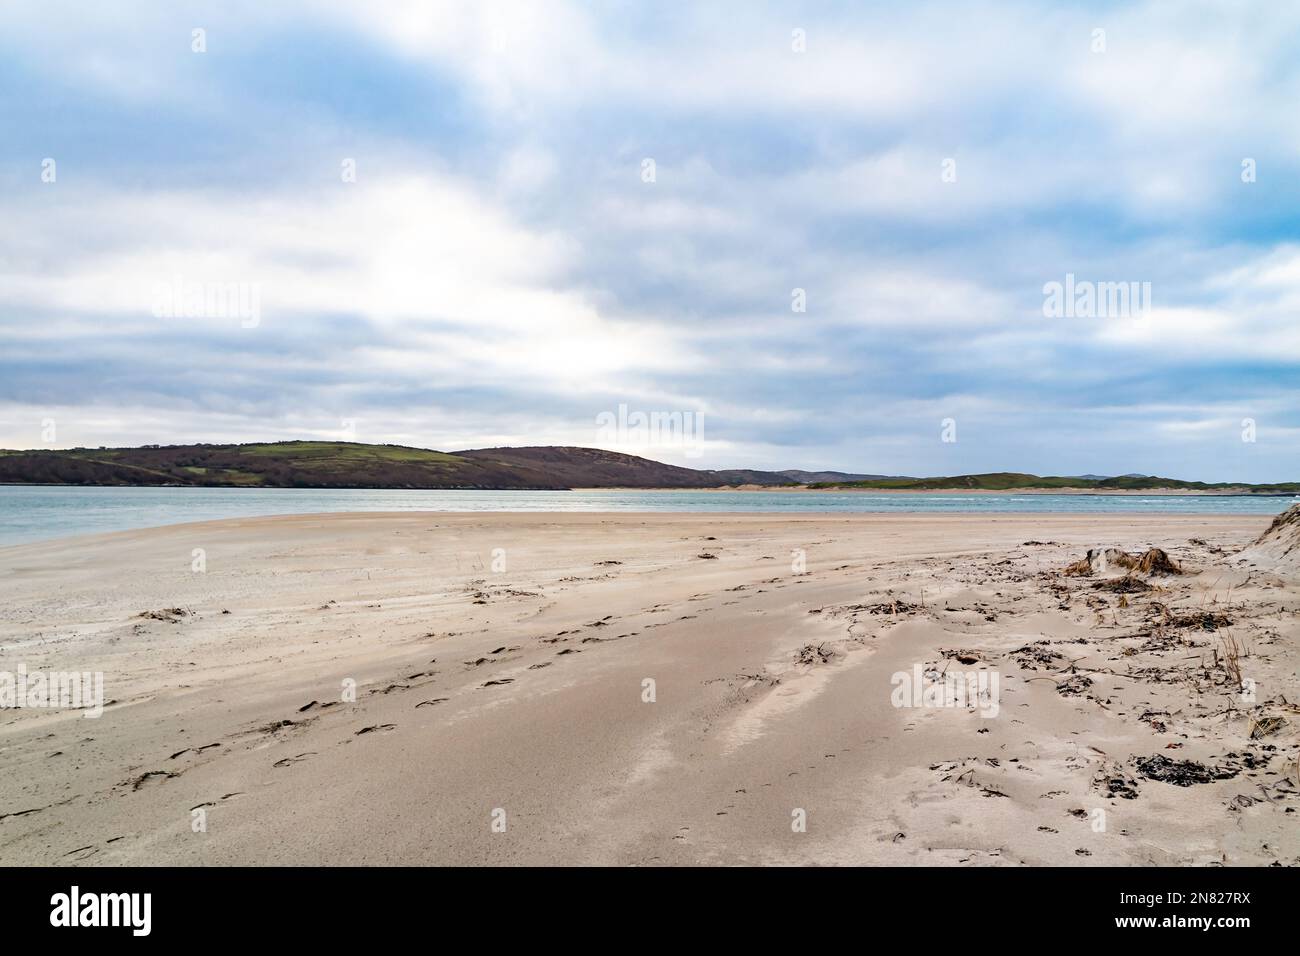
295, 464
1014, 481
321, 464
330, 464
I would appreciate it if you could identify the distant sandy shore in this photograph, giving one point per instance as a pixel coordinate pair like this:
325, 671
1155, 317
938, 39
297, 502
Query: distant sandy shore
1172, 492
643, 689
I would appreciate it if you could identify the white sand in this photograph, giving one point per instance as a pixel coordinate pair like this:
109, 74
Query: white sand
740, 737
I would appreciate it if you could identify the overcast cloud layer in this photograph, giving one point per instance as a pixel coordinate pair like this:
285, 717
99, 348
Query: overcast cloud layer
501, 272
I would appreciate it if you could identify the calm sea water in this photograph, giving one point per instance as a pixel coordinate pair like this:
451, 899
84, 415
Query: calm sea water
36, 514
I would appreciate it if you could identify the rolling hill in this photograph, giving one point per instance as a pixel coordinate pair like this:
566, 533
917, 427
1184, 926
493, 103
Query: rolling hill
319, 464
829, 477
1018, 481
594, 468
313, 464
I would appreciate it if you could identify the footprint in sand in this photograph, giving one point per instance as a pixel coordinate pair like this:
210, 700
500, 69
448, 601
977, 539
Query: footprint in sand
289, 761
152, 776
313, 703
194, 750
210, 803
375, 728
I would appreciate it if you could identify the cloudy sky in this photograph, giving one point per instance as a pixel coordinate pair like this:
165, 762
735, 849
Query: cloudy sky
470, 224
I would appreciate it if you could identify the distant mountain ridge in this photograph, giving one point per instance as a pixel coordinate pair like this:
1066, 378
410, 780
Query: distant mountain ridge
316, 464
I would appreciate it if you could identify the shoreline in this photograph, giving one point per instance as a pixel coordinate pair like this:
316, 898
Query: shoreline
1010, 492
811, 516
1065, 492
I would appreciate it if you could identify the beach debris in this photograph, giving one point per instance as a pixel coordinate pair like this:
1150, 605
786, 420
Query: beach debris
1074, 685
705, 556
274, 726
814, 654
1204, 620
1111, 560
1114, 784
1266, 726
887, 607
1180, 773
1249, 759
1156, 561
373, 728
962, 656
893, 608
1156, 719
1039, 654
170, 614
1128, 584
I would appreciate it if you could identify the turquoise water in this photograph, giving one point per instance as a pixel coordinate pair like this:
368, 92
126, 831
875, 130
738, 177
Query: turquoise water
36, 514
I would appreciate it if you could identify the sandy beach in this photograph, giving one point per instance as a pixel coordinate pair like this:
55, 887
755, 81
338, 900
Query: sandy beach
651, 689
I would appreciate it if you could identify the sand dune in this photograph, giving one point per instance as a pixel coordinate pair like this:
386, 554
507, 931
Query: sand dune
653, 689
1278, 548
